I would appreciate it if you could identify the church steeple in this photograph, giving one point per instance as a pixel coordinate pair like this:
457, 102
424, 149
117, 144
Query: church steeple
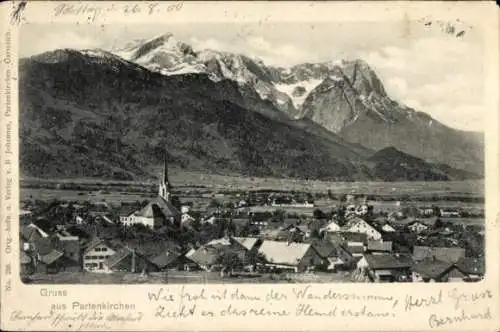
164, 187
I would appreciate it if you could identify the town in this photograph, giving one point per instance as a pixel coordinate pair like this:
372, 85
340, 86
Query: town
263, 236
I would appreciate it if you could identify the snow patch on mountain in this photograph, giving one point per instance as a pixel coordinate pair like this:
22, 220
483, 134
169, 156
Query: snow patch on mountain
288, 89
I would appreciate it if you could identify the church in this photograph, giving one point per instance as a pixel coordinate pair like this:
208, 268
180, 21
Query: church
160, 211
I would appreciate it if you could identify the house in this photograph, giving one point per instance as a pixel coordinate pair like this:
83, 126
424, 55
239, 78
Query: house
336, 255
355, 243
417, 227
434, 270
155, 214
169, 260
292, 256
449, 255
95, 253
32, 233
205, 258
128, 260
379, 246
474, 267
386, 267
160, 211
426, 211
68, 244
208, 256
47, 259
358, 225
450, 213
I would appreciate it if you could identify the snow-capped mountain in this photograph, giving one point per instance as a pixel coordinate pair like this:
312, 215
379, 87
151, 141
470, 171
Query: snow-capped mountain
286, 89
344, 96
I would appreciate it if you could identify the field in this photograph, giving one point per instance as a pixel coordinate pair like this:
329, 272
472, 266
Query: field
201, 189
182, 277
186, 180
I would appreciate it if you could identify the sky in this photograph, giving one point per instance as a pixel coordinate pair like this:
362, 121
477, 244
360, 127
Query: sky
425, 66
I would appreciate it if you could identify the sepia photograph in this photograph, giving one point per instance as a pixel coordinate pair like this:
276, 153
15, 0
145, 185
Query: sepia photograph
269, 152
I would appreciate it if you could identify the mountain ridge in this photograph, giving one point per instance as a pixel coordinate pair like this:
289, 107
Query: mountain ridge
92, 113
356, 105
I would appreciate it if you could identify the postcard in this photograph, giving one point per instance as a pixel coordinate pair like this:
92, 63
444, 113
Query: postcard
249, 166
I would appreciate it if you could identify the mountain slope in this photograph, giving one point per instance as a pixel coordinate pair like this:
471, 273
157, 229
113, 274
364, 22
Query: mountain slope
353, 103
91, 113
390, 164
345, 97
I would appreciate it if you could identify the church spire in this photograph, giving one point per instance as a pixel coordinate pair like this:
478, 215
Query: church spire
164, 187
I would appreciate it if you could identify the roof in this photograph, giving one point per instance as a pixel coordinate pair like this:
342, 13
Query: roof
449, 255
387, 261
43, 245
51, 257
156, 206
432, 268
247, 242
69, 245
471, 265
283, 252
379, 246
165, 258
31, 232
325, 248
120, 255
97, 241
206, 255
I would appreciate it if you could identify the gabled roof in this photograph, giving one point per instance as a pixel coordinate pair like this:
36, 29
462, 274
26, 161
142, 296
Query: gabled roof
432, 268
471, 265
449, 255
51, 257
32, 231
98, 241
247, 242
166, 258
387, 261
205, 255
324, 248
117, 257
283, 252
43, 245
158, 205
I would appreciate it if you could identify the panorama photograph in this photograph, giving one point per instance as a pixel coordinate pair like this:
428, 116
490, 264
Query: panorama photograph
295, 152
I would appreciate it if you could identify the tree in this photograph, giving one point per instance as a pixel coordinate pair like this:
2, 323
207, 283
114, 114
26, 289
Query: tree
215, 203
436, 211
230, 261
318, 214
315, 234
254, 257
330, 194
